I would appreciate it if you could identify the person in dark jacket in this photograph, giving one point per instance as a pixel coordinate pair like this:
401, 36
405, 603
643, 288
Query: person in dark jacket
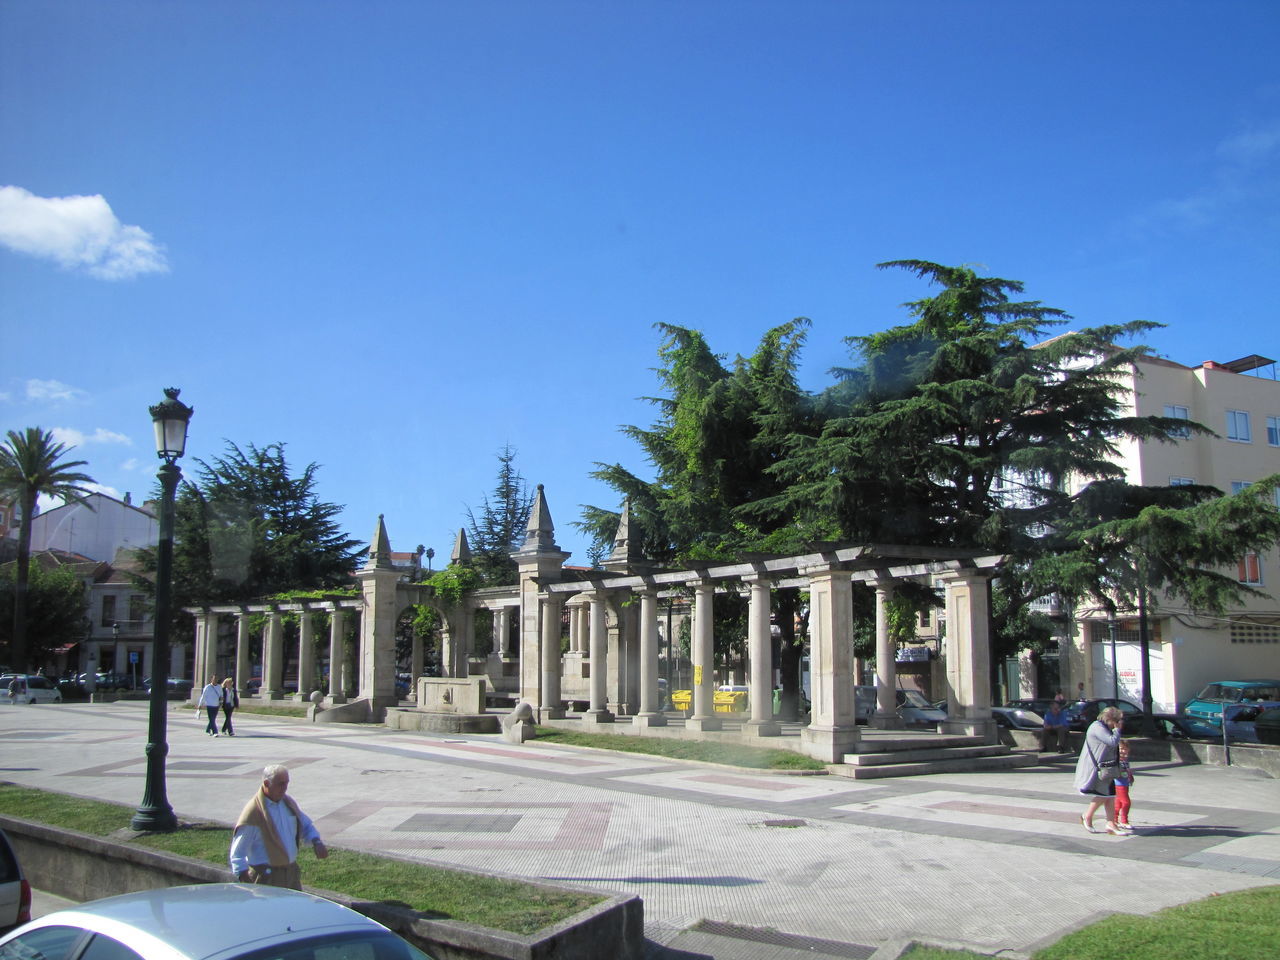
230, 702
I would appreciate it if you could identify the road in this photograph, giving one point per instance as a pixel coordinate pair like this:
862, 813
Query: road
763, 864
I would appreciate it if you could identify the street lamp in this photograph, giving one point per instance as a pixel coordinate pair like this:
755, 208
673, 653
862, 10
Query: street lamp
170, 417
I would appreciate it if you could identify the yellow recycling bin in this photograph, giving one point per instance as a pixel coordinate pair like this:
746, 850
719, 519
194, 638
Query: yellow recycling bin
682, 700
730, 701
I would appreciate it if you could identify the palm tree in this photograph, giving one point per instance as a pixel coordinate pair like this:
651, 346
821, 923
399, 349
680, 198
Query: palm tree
30, 465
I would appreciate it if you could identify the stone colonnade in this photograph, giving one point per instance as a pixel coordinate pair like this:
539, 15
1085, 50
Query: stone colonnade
273, 653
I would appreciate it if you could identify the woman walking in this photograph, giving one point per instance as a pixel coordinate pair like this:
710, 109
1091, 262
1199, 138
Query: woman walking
230, 703
211, 699
1098, 766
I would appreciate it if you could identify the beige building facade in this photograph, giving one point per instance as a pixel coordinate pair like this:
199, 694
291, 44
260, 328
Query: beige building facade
1240, 402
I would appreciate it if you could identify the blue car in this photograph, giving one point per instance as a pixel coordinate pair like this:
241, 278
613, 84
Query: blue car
1208, 703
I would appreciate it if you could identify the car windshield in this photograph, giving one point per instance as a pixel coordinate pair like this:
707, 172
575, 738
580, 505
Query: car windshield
914, 698
365, 945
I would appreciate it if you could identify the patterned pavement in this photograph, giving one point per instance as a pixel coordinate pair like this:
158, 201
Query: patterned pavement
730, 863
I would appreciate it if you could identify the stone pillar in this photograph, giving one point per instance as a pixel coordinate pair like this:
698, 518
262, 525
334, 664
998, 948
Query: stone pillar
703, 655
599, 639
832, 731
272, 659
760, 652
650, 714
417, 657
377, 666
198, 679
537, 560
886, 715
968, 656
501, 631
337, 654
243, 666
306, 656
551, 608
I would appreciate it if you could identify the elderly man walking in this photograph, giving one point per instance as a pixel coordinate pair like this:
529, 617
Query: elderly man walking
271, 828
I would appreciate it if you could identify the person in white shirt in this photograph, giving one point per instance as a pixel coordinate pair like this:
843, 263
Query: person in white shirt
211, 700
271, 828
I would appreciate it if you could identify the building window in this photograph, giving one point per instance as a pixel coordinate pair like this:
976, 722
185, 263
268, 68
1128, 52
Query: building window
1240, 486
108, 609
1254, 633
1251, 569
1181, 481
1178, 412
1238, 426
1273, 431
137, 604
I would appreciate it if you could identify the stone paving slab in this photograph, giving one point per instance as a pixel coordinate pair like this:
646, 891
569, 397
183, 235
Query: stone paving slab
957, 858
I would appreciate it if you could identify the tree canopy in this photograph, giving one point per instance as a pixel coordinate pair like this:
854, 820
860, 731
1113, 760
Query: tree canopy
32, 464
500, 526
247, 527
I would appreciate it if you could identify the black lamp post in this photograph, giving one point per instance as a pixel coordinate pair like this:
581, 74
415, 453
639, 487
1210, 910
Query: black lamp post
170, 417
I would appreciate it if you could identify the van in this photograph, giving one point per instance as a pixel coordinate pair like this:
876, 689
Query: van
1208, 703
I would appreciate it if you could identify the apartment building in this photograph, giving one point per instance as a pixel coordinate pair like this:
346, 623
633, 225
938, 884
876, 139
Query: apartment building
1240, 402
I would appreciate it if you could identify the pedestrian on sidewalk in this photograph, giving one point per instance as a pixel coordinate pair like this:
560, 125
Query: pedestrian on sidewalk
271, 828
1055, 728
230, 703
1098, 766
211, 700
1124, 780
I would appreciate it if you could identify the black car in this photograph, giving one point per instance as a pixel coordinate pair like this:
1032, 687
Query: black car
1038, 705
1083, 712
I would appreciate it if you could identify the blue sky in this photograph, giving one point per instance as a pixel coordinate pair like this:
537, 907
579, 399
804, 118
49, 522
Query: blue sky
397, 236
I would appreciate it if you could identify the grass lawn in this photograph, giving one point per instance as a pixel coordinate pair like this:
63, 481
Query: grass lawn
1232, 926
440, 893
756, 758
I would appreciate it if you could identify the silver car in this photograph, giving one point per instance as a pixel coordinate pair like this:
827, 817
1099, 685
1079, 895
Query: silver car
212, 921
15, 892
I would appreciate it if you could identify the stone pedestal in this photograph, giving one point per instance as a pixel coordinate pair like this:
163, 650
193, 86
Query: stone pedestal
762, 728
644, 720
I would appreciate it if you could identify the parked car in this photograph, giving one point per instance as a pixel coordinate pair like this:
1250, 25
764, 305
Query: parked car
1083, 712
31, 688
914, 709
1038, 705
1176, 726
1268, 726
1208, 703
1240, 720
209, 921
1017, 718
108, 681
15, 892
179, 689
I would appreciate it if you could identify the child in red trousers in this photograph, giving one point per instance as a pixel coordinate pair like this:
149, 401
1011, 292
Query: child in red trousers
1124, 780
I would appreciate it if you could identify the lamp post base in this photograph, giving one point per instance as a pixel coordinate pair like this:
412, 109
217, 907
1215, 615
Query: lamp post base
154, 820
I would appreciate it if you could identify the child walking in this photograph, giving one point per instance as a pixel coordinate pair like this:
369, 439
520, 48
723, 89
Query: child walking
1124, 780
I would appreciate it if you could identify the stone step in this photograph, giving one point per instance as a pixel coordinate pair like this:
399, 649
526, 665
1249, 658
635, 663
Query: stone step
1010, 761
918, 756
888, 744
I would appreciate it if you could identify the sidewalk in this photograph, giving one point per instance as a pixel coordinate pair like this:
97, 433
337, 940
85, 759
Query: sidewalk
732, 864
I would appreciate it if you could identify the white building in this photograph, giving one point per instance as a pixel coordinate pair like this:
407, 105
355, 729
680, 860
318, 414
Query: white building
1240, 401
96, 526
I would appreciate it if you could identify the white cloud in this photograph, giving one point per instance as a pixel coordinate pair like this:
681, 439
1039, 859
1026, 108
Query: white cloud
75, 438
78, 233
52, 390
133, 463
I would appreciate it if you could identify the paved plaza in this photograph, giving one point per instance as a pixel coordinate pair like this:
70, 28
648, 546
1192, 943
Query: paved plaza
730, 863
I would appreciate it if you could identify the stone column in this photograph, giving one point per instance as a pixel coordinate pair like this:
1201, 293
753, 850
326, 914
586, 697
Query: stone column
501, 631
599, 711
210, 632
552, 607
760, 652
703, 655
650, 714
832, 731
198, 679
575, 628
417, 657
273, 659
243, 666
306, 656
886, 715
968, 656
337, 654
